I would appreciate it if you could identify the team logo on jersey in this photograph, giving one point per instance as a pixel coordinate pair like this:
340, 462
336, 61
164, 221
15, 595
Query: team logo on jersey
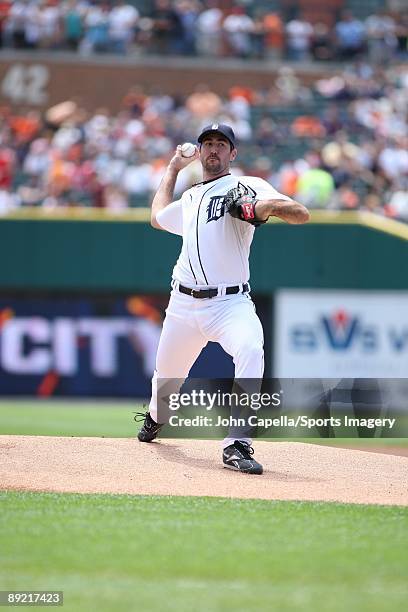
215, 208
216, 205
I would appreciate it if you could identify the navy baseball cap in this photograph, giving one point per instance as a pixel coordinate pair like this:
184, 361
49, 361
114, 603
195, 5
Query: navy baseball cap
218, 128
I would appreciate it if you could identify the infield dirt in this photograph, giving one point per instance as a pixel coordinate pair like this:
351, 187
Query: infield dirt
293, 470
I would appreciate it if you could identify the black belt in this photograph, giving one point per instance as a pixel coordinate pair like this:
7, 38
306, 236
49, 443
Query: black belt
210, 293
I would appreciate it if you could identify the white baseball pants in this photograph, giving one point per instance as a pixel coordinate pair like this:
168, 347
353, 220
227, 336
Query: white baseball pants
190, 323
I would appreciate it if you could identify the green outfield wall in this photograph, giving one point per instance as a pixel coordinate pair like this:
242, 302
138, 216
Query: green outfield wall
91, 251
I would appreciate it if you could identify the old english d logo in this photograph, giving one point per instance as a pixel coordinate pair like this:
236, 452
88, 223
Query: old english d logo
216, 208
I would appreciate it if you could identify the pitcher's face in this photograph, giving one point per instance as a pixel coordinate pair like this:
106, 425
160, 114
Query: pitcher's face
216, 154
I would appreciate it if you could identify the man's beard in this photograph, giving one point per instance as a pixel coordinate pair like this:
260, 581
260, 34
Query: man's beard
213, 166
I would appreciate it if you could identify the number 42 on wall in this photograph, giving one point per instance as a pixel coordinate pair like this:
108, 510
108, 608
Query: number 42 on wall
26, 84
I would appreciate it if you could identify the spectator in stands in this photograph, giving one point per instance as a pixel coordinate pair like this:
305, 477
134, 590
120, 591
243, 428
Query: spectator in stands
289, 86
308, 126
269, 134
257, 42
331, 120
350, 36
274, 35
135, 101
381, 39
204, 103
50, 20
167, 28
5, 6
123, 20
344, 198
24, 129
321, 45
240, 101
8, 201
315, 187
397, 202
239, 27
401, 33
30, 192
96, 37
209, 30
38, 159
7, 168
372, 203
287, 176
73, 29
115, 198
188, 11
299, 34
393, 159
33, 26
16, 23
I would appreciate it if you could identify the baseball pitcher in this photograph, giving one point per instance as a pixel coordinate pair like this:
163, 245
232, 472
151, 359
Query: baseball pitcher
210, 298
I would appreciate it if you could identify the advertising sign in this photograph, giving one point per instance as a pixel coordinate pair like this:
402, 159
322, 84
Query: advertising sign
347, 334
93, 346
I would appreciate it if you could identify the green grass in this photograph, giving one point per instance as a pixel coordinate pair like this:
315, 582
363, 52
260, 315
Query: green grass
204, 554
68, 418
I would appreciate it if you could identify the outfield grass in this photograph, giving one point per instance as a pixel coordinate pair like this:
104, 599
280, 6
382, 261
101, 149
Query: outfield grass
107, 419
68, 418
204, 554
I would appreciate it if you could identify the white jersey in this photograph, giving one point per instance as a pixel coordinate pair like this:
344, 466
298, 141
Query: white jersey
216, 245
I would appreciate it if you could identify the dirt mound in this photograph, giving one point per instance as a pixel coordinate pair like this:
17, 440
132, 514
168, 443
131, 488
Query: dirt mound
293, 471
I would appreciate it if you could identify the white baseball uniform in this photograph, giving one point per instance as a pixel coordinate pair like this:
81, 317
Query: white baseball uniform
214, 254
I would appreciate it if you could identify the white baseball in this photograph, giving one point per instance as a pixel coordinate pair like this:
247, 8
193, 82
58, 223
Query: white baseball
188, 149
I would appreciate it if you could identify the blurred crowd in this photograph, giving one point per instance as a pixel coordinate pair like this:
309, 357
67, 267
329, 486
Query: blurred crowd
199, 27
342, 144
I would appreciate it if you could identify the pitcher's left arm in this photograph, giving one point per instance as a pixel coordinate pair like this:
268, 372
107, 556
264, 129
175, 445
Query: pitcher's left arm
287, 210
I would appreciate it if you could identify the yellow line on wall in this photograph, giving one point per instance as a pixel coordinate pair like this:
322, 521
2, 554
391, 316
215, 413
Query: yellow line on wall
389, 226
142, 215
79, 213
363, 218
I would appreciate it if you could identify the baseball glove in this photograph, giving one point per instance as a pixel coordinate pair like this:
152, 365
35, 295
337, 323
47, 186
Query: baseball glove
241, 206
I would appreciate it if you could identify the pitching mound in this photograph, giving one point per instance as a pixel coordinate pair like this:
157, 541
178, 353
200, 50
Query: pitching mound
293, 471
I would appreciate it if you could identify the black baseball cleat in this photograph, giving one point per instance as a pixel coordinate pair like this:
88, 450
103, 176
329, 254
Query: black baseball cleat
239, 456
150, 429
